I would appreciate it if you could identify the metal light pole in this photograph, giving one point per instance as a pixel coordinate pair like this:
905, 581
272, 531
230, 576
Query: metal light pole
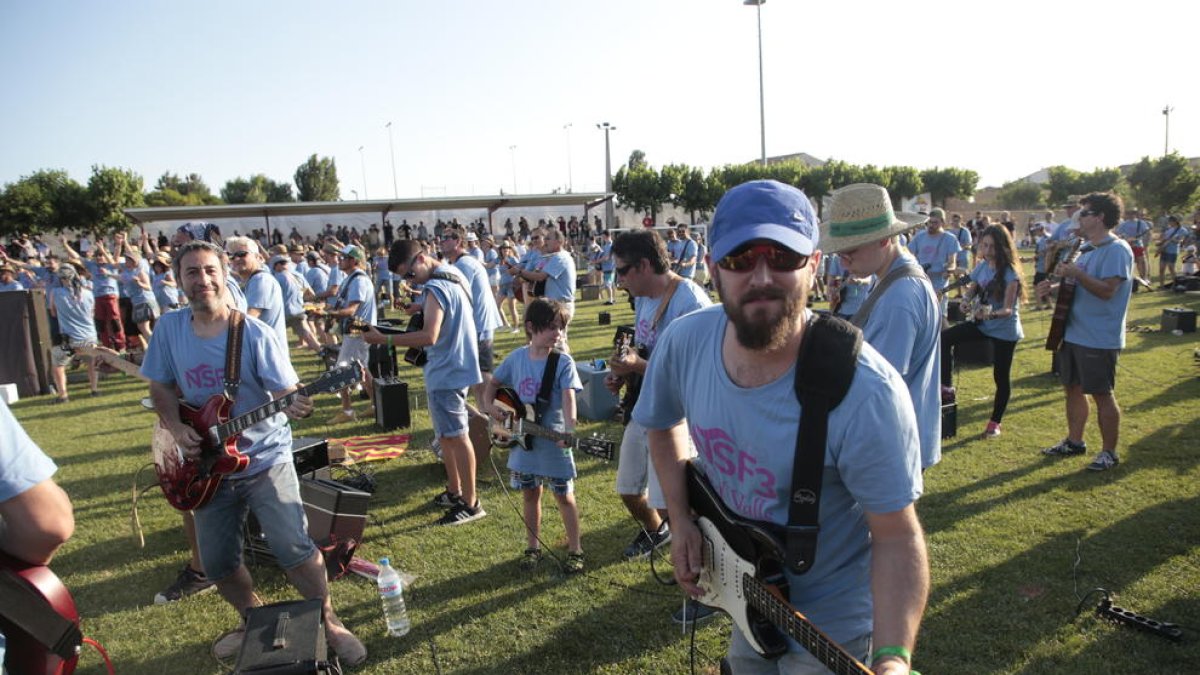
513, 149
762, 109
608, 203
1167, 119
363, 162
570, 181
355, 193
395, 192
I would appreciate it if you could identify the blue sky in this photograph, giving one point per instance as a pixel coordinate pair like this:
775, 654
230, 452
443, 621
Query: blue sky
227, 88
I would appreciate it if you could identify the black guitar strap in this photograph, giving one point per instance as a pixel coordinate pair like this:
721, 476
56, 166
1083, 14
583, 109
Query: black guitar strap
543, 397
824, 371
233, 354
21, 606
910, 269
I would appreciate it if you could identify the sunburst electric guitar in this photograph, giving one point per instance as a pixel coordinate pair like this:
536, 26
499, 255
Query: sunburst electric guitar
518, 428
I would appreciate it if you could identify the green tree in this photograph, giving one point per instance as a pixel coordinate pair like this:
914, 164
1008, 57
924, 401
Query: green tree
697, 194
904, 182
1165, 184
637, 160
317, 180
45, 201
1099, 180
640, 189
1020, 195
942, 184
257, 189
171, 190
875, 175
1061, 183
110, 191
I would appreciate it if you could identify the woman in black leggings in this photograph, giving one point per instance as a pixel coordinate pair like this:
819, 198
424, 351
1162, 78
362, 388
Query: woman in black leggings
996, 291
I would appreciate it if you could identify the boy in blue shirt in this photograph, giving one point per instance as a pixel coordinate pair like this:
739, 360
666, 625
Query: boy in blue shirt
548, 462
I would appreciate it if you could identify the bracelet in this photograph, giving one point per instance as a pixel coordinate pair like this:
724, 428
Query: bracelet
897, 650
390, 341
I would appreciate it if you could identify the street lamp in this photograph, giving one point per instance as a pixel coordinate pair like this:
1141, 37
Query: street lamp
355, 193
513, 149
363, 162
570, 181
762, 111
608, 202
1167, 119
395, 192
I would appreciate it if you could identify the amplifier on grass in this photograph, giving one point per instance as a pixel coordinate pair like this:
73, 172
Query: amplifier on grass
949, 420
1180, 319
391, 403
605, 318
309, 454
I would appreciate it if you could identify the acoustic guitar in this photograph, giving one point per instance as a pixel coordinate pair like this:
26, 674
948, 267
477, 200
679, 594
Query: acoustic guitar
189, 483
1062, 305
518, 428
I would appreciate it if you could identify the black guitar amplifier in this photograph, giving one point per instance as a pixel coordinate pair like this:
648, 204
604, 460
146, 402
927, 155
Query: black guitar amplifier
949, 420
309, 454
605, 318
285, 638
391, 403
1180, 319
336, 513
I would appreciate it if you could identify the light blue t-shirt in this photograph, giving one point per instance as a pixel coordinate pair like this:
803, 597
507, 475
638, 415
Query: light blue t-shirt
853, 294
607, 264
506, 279
318, 278
687, 249
905, 327
104, 278
292, 285
130, 287
483, 302
1134, 229
358, 288
454, 358
673, 251
263, 293
1039, 254
963, 235
336, 277
22, 463
746, 440
688, 297
1097, 323
1172, 238
560, 285
167, 296
491, 261
932, 252
76, 318
1006, 328
237, 299
197, 366
524, 374
13, 285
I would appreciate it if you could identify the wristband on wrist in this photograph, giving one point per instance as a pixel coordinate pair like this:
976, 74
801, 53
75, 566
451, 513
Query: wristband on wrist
390, 341
897, 651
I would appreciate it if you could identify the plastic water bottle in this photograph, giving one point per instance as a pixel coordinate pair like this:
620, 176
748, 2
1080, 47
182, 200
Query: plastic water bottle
392, 594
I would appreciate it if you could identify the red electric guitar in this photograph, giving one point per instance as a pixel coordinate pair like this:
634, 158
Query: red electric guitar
189, 484
39, 605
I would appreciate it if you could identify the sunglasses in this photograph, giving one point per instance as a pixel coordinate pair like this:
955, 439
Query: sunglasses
449, 236
410, 274
622, 271
778, 259
1088, 212
239, 254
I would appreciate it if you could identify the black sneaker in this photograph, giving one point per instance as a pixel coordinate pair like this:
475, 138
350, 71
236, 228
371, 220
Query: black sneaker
446, 499
1104, 461
693, 611
662, 535
640, 547
189, 582
1064, 448
460, 514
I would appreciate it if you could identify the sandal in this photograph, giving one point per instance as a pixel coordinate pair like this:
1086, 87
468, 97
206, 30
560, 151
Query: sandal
531, 558
574, 564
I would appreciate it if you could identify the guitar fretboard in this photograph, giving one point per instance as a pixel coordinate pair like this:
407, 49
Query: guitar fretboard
331, 381
800, 629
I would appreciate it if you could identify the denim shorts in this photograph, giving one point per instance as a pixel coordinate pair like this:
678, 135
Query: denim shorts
530, 481
506, 291
448, 410
274, 497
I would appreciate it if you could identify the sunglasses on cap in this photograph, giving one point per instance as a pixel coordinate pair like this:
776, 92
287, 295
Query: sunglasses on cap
779, 259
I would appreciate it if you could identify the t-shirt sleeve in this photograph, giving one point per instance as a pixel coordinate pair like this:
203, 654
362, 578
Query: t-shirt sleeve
1117, 263
504, 374
155, 363
894, 345
660, 405
568, 375
271, 361
22, 463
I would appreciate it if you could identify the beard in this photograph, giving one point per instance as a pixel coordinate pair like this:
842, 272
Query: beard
762, 329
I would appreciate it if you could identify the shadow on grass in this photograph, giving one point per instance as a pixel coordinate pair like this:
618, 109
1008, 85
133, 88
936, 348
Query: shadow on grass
1031, 595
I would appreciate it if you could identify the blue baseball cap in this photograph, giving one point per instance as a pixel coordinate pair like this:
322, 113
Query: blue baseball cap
764, 209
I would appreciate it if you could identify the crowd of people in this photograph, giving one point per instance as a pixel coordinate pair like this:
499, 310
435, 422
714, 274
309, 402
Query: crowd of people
709, 386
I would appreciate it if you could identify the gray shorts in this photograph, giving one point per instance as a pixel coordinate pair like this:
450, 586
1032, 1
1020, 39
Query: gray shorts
1094, 370
354, 350
146, 312
61, 355
448, 412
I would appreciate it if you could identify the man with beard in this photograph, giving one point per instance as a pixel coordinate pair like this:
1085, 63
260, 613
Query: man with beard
355, 300
730, 371
187, 350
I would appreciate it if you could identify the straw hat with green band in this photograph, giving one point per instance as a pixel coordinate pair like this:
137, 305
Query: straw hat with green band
860, 214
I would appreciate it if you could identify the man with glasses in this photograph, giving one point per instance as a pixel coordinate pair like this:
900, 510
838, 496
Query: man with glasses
1095, 333
902, 321
937, 252
354, 301
264, 298
688, 253
448, 337
962, 234
730, 371
644, 269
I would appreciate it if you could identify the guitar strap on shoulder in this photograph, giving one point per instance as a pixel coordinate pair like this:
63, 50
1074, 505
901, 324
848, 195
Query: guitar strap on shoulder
824, 372
24, 608
543, 397
233, 354
910, 269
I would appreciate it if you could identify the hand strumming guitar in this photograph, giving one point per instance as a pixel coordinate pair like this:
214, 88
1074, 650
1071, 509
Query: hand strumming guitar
626, 363
187, 438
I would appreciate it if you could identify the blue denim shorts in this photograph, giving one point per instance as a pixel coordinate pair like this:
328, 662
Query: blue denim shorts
274, 497
448, 410
530, 481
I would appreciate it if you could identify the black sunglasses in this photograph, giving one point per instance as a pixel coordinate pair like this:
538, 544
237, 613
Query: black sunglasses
410, 274
239, 254
622, 271
778, 259
1088, 212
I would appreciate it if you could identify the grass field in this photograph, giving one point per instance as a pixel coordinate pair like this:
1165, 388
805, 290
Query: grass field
1015, 539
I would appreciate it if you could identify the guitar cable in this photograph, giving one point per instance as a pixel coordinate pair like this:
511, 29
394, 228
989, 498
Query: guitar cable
135, 522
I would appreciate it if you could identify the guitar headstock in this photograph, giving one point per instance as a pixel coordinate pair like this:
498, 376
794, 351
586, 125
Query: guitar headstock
337, 379
598, 447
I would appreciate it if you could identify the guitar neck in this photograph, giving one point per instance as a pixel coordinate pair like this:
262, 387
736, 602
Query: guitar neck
764, 599
539, 430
